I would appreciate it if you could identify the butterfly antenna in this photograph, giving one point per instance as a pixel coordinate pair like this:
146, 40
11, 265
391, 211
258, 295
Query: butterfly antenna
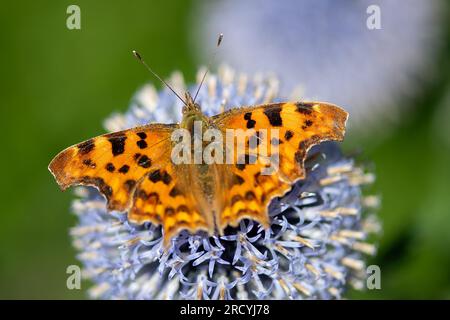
219, 41
141, 60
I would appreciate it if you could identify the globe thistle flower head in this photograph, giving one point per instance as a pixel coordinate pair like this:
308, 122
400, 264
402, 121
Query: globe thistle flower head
314, 249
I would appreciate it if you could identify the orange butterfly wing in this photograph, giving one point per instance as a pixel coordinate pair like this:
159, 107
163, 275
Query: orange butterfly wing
163, 198
300, 126
133, 170
114, 163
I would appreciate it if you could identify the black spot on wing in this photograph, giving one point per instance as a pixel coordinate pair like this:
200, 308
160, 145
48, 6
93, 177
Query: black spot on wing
182, 208
124, 169
236, 198
144, 161
307, 123
89, 163
237, 179
250, 195
155, 176
86, 147
273, 113
288, 135
250, 123
141, 194
304, 108
141, 144
117, 143
166, 178
142, 135
169, 211
174, 192
159, 175
110, 167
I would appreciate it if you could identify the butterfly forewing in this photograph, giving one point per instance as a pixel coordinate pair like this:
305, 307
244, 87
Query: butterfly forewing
114, 163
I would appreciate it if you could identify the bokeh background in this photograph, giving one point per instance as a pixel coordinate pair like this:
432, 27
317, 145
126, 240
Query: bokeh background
58, 85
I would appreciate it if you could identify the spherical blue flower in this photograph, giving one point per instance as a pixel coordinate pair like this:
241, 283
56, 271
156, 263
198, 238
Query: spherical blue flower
314, 248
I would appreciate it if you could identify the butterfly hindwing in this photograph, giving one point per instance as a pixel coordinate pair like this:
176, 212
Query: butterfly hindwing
248, 196
162, 198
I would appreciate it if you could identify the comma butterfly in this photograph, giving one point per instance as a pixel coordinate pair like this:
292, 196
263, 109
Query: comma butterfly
133, 168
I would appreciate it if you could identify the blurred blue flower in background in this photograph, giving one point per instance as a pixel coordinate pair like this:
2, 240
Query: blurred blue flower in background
327, 47
315, 248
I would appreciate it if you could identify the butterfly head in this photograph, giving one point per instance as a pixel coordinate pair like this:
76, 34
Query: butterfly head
191, 112
190, 105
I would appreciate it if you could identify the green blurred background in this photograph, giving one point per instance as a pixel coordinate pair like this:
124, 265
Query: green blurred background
58, 85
